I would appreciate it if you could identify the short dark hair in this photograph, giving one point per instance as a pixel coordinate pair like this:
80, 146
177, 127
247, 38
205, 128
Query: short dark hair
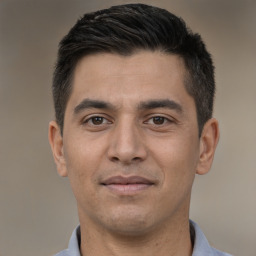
125, 29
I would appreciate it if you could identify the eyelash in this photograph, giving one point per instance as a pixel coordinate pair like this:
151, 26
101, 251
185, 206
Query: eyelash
105, 121
163, 120
90, 119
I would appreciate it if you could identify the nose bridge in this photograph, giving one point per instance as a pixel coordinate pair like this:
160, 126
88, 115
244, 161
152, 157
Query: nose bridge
126, 144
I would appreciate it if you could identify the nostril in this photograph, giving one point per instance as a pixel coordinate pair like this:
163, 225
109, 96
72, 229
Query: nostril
114, 159
136, 159
127, 161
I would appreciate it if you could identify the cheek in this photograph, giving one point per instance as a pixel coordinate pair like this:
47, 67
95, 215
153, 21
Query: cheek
177, 158
82, 161
81, 152
81, 167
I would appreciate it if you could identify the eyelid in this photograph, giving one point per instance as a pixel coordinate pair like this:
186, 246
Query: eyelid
168, 119
89, 117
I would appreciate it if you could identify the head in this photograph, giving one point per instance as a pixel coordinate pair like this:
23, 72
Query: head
125, 30
133, 88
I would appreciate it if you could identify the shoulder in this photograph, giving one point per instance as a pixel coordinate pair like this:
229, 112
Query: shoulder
219, 253
74, 244
201, 245
63, 253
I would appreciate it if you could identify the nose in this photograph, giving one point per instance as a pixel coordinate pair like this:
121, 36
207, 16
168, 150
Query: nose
126, 144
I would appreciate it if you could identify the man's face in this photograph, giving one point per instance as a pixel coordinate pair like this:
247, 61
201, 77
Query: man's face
130, 144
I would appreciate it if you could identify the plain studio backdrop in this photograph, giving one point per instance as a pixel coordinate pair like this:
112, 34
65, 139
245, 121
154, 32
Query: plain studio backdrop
37, 208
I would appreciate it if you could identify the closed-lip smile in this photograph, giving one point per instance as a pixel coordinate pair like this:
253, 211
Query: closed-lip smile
127, 185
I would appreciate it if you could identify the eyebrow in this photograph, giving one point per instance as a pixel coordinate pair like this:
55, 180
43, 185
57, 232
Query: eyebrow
88, 103
166, 103
150, 104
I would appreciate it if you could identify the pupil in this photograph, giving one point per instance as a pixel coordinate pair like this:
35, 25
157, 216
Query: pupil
158, 120
97, 120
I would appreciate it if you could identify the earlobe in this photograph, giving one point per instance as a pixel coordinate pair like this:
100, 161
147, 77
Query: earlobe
56, 142
208, 143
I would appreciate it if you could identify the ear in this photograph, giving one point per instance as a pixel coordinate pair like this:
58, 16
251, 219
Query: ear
208, 143
56, 142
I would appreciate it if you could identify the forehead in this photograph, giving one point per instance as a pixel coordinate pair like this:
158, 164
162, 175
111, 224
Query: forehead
143, 61
138, 72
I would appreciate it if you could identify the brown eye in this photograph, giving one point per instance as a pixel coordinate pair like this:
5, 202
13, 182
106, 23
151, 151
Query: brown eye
158, 120
96, 123
97, 120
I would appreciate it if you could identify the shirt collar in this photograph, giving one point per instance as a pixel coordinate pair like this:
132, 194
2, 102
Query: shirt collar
201, 245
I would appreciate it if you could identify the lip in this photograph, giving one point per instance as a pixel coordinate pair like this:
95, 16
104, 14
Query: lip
127, 185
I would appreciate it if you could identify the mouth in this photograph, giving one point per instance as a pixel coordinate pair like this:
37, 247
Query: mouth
127, 185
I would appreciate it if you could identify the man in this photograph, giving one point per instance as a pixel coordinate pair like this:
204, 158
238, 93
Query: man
133, 91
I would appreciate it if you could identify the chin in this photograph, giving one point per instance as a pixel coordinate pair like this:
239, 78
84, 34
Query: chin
129, 222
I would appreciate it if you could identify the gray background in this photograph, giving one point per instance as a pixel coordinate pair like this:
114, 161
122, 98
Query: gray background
37, 208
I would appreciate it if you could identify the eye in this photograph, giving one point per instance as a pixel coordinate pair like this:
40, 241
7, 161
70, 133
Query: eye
158, 120
96, 121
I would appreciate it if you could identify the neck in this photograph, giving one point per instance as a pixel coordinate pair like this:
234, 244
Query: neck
172, 240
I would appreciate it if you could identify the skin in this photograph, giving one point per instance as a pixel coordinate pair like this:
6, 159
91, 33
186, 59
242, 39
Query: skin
130, 116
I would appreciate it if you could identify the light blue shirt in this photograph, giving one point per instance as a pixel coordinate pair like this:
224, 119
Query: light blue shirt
201, 245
